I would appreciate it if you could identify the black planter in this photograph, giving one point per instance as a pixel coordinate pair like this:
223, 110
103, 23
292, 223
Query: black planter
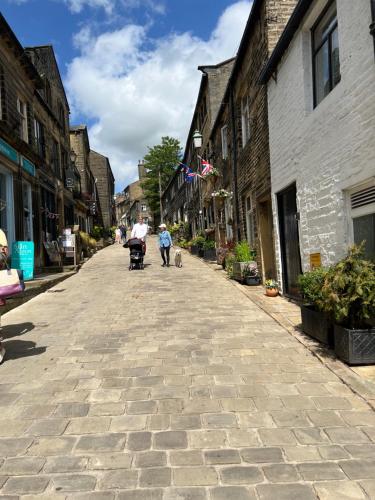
355, 347
200, 253
210, 254
194, 250
251, 280
317, 325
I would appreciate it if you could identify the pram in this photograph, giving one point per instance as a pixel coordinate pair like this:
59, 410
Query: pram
136, 248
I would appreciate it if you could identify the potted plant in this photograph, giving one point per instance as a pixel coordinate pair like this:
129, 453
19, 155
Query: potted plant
348, 295
244, 256
272, 288
315, 322
209, 250
251, 274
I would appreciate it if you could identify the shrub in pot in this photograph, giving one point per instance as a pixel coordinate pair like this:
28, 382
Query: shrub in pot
348, 295
315, 322
209, 250
251, 274
272, 288
244, 256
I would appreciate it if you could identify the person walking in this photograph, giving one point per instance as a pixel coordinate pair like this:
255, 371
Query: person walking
118, 235
165, 244
123, 233
140, 231
3, 265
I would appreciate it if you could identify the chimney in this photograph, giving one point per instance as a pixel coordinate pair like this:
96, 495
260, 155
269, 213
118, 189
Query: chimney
141, 169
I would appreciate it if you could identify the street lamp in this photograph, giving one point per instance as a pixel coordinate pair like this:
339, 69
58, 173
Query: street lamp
197, 139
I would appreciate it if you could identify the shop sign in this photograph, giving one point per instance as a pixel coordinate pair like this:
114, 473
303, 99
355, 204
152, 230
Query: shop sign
23, 258
28, 166
315, 261
8, 151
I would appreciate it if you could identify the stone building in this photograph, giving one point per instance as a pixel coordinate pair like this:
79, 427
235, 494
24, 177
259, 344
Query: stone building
192, 202
34, 146
87, 207
240, 134
321, 87
105, 186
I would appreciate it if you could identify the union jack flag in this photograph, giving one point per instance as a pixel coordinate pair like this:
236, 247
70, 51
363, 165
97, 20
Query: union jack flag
206, 167
189, 174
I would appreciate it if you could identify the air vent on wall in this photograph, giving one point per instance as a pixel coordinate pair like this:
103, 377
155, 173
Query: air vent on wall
364, 197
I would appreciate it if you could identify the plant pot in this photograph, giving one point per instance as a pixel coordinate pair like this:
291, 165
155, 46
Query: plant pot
194, 250
209, 254
251, 281
200, 253
238, 269
272, 292
317, 325
355, 347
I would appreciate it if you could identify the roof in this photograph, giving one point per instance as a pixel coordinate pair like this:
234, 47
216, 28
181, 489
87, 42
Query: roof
6, 32
284, 41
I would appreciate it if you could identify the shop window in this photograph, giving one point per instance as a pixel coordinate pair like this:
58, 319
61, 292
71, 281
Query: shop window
49, 215
27, 212
326, 56
22, 114
6, 205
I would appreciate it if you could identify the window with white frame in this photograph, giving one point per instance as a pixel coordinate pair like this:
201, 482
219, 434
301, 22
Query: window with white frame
250, 219
245, 120
363, 218
326, 54
39, 137
22, 112
144, 208
224, 142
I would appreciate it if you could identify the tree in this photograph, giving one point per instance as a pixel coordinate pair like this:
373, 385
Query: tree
160, 162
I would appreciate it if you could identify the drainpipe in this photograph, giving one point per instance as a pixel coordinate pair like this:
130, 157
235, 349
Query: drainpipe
234, 165
372, 25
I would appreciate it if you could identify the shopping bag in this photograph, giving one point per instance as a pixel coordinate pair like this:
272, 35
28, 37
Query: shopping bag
11, 282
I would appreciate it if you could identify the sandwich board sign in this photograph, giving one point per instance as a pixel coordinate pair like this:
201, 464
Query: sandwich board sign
23, 258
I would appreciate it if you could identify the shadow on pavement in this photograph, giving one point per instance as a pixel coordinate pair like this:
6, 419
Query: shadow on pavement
9, 331
21, 349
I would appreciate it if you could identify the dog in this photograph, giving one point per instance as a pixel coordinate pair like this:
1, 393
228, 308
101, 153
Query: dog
178, 258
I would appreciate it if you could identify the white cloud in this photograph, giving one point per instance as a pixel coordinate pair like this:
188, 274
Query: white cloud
135, 95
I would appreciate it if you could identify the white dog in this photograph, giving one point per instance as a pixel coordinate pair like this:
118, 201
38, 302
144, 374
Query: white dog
178, 258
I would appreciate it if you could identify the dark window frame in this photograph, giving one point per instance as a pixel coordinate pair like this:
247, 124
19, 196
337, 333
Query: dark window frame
315, 51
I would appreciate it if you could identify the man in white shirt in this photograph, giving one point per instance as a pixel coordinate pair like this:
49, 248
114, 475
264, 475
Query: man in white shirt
140, 231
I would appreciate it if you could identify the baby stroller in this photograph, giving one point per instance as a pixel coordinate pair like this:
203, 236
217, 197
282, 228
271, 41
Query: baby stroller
137, 254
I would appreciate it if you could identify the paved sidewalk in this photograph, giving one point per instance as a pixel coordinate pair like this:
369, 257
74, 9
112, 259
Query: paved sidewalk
170, 384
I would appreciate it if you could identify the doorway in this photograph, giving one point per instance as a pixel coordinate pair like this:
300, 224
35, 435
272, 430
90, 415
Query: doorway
289, 240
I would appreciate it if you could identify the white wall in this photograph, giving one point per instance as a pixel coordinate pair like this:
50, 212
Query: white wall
329, 149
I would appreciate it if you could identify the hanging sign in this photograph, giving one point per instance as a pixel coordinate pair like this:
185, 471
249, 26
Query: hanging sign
23, 258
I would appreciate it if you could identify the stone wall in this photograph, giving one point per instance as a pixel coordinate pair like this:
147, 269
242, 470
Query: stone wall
101, 170
330, 149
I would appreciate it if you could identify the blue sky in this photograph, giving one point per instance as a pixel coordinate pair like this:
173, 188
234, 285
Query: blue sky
130, 66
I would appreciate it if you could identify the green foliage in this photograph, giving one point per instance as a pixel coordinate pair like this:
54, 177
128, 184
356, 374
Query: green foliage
243, 252
209, 245
311, 285
97, 232
229, 261
271, 283
198, 241
348, 293
162, 158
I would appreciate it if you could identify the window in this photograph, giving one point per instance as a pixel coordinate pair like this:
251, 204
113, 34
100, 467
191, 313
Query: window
245, 121
363, 217
22, 111
224, 142
6, 205
144, 208
39, 137
62, 117
326, 60
55, 160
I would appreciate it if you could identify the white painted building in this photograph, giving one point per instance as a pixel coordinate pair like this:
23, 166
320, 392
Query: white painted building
321, 100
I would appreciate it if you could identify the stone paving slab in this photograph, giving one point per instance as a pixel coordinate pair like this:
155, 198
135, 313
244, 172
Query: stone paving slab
170, 384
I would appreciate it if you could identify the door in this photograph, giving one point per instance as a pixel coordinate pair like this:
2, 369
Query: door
289, 240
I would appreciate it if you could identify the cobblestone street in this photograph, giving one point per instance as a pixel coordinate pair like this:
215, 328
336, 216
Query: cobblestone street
170, 384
